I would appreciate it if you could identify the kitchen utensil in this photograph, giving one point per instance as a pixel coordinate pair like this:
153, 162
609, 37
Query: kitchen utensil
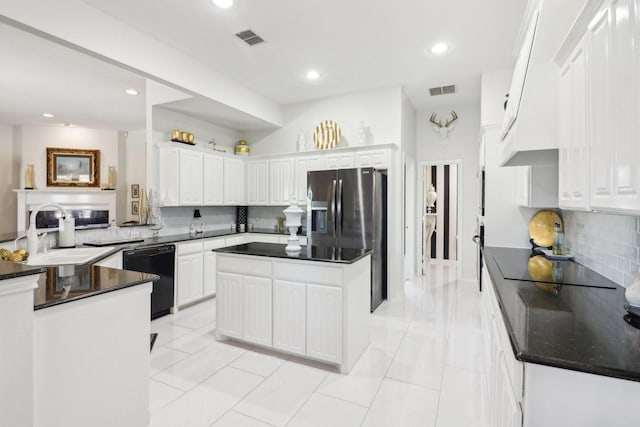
541, 227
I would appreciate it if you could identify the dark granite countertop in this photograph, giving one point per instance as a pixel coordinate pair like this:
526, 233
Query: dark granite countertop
73, 282
566, 326
10, 270
308, 253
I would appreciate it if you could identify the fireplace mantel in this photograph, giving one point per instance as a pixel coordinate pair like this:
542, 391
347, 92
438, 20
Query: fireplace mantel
72, 198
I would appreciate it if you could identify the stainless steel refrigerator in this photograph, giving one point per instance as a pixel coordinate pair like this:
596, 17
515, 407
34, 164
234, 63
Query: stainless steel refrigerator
347, 208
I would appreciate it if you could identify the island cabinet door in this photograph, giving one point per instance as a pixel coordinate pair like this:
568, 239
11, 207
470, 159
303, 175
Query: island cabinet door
257, 326
324, 323
229, 304
289, 316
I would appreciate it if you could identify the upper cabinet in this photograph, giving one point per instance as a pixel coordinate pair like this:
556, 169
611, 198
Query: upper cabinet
258, 182
213, 177
281, 184
192, 176
600, 100
573, 161
234, 182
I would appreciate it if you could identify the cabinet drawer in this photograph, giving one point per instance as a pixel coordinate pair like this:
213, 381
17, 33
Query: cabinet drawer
307, 272
188, 248
257, 266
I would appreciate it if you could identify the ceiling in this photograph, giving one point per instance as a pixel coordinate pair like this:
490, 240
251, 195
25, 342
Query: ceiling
38, 76
355, 45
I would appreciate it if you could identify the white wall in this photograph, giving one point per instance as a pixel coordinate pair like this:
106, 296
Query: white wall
135, 168
10, 180
411, 230
463, 145
381, 111
505, 223
34, 141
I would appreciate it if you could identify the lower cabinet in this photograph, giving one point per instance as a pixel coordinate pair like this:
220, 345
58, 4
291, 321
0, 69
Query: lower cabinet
296, 306
289, 316
229, 301
257, 307
324, 322
505, 374
189, 272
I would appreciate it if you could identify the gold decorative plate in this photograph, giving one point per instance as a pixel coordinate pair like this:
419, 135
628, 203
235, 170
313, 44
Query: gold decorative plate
541, 227
327, 135
540, 269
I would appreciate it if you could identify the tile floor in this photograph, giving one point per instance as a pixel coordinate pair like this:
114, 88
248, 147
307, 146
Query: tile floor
424, 367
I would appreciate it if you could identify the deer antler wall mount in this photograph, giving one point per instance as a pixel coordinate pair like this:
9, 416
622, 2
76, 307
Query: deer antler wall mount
443, 129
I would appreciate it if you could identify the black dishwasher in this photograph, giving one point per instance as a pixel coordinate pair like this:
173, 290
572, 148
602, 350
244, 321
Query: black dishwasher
159, 260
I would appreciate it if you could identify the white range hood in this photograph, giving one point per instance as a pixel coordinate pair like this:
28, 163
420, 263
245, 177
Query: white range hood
530, 128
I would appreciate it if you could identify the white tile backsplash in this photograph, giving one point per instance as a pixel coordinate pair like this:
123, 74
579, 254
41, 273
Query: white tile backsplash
606, 243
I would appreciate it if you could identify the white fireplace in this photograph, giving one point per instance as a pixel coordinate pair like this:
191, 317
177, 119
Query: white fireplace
70, 198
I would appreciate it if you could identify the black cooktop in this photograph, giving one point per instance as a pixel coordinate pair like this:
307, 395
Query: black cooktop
524, 265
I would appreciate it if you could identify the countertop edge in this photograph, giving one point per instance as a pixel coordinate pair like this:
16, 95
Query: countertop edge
231, 251
149, 278
527, 357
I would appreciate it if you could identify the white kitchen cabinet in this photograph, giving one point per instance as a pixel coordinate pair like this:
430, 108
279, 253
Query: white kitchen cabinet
234, 182
190, 179
213, 176
169, 175
281, 181
537, 186
209, 272
378, 159
289, 316
258, 182
613, 80
257, 306
302, 166
573, 159
505, 373
324, 323
307, 301
189, 272
340, 160
229, 301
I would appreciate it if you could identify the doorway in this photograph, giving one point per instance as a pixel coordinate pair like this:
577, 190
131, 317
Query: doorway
439, 242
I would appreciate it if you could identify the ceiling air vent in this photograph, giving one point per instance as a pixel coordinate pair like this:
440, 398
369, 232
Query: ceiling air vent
442, 90
249, 37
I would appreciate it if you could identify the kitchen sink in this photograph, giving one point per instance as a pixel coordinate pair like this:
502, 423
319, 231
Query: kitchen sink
68, 256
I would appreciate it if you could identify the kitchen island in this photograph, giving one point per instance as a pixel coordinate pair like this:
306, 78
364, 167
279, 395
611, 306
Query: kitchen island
83, 347
559, 348
314, 304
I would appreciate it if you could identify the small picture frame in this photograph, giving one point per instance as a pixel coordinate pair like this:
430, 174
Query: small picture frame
135, 191
135, 207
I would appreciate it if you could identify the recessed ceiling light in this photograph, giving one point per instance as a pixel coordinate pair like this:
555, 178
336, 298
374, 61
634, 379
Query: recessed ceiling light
47, 115
223, 4
313, 75
439, 48
132, 92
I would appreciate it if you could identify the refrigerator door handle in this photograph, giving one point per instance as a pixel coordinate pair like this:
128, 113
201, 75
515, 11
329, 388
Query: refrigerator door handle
339, 218
333, 206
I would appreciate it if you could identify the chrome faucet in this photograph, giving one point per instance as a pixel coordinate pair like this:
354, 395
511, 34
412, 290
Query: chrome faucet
67, 225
